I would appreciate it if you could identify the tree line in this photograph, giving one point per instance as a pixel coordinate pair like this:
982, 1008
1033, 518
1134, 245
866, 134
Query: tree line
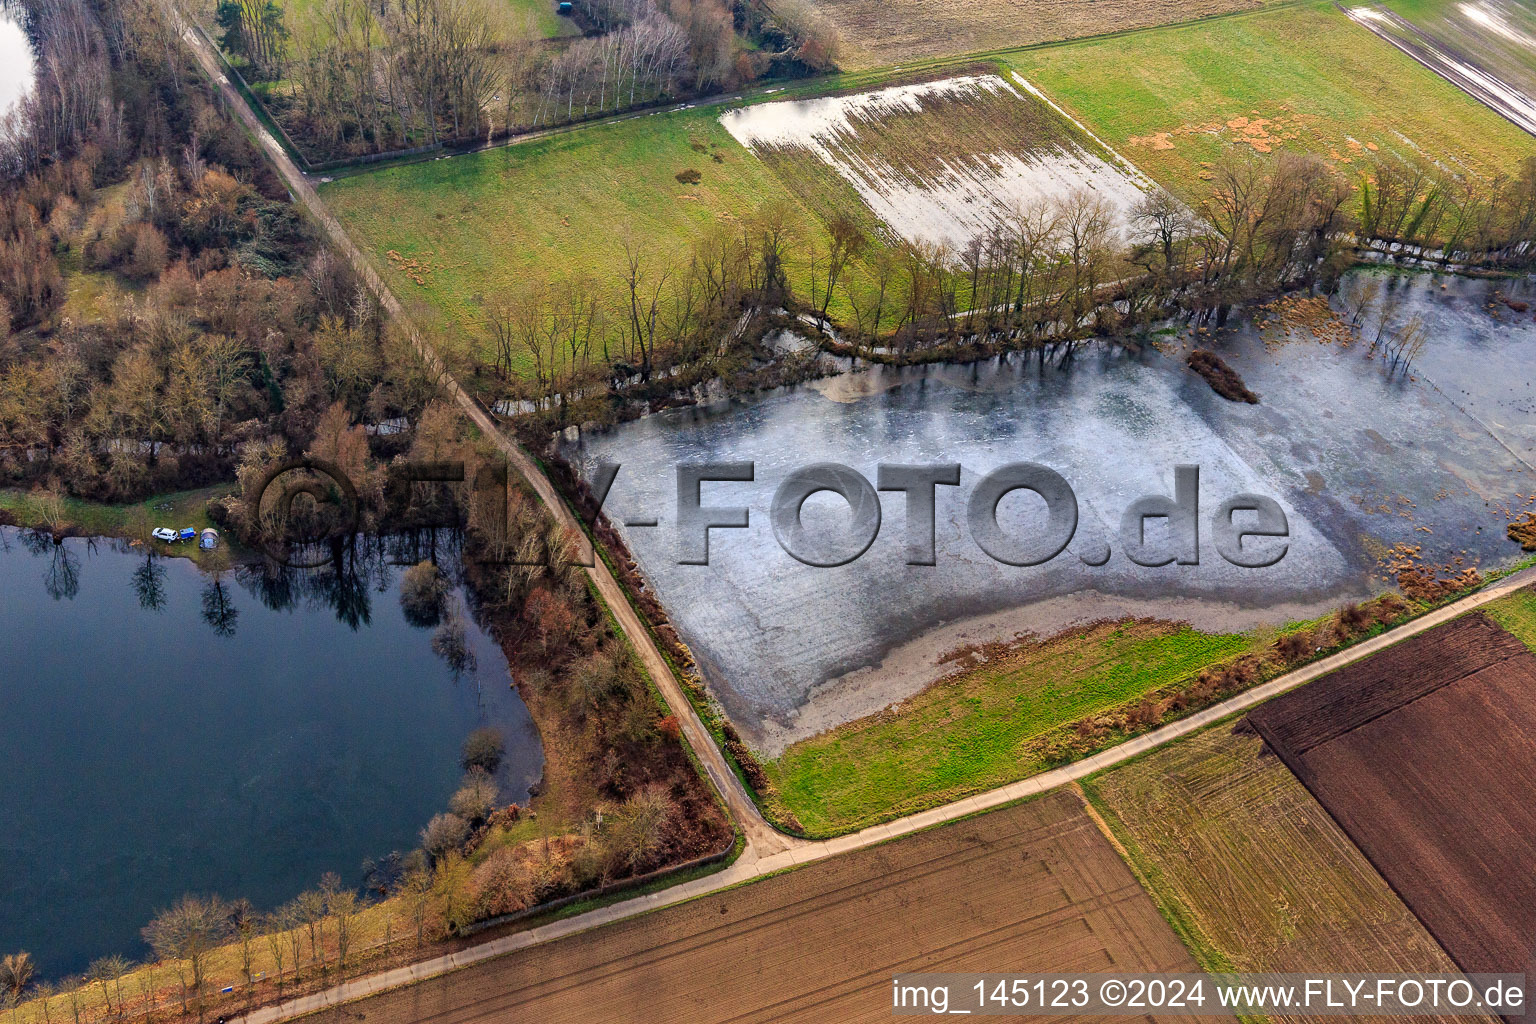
363, 77
1053, 272
219, 327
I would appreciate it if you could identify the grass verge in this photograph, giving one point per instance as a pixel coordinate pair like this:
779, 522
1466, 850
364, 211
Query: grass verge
976, 730
1517, 614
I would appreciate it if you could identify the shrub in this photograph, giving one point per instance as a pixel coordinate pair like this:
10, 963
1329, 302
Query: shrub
422, 590
476, 796
503, 885
150, 252
451, 643
444, 834
483, 749
689, 176
1221, 377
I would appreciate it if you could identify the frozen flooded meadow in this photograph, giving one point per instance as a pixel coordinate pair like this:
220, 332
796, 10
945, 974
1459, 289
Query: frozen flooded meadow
1358, 462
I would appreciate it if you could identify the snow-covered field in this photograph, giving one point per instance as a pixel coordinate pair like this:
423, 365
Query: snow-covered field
942, 162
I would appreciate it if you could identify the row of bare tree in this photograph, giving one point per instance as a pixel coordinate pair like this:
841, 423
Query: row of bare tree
1054, 270
636, 62
376, 75
71, 91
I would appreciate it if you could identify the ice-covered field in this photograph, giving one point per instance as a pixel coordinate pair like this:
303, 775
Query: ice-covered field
938, 162
1360, 463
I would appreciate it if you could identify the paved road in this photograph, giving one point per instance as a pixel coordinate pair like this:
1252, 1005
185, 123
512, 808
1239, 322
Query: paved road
767, 850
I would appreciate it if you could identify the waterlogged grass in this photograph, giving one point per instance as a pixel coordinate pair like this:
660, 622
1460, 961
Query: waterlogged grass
470, 230
1174, 99
974, 732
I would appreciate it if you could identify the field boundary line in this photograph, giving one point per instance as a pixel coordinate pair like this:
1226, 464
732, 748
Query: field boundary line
1418, 52
814, 87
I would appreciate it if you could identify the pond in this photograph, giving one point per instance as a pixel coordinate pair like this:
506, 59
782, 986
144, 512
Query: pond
170, 731
1357, 460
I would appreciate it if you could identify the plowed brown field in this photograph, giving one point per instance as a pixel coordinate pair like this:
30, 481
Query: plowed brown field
1032, 887
1426, 756
877, 32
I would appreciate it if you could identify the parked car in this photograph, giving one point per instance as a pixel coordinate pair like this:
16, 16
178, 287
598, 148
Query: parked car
164, 533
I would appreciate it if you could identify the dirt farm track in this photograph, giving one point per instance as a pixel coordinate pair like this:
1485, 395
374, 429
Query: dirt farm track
1033, 887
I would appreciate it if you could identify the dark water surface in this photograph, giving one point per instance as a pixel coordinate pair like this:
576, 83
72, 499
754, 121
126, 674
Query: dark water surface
165, 731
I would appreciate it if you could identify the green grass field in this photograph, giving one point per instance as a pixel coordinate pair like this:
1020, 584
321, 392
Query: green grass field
975, 733
1173, 99
1516, 613
481, 226
548, 24
183, 508
467, 231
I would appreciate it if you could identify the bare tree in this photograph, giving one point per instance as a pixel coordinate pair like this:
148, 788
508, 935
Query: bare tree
845, 242
108, 972
189, 932
16, 973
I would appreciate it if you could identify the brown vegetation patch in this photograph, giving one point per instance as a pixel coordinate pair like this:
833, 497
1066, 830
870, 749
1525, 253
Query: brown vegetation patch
1426, 756
1422, 581
1523, 532
1293, 314
1223, 380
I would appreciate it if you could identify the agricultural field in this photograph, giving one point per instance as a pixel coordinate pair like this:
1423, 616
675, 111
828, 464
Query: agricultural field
1254, 874
1035, 887
939, 162
934, 162
984, 727
451, 236
1487, 47
876, 32
1425, 755
1173, 100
